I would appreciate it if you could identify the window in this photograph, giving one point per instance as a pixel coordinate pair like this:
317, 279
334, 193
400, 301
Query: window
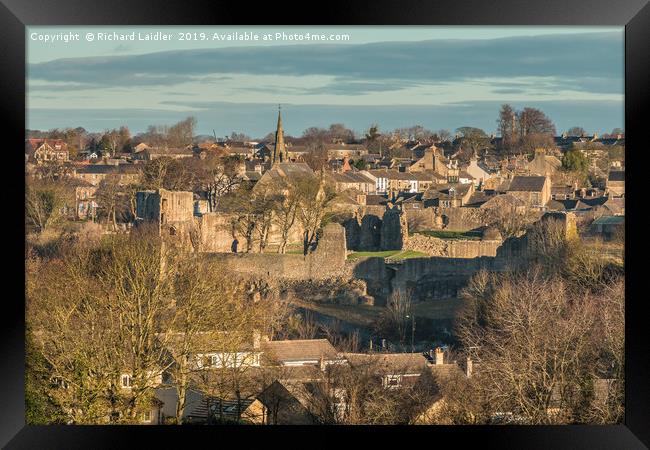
126, 381
146, 416
392, 381
172, 231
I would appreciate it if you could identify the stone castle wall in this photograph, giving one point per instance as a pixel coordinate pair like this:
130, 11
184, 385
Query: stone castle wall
452, 248
326, 261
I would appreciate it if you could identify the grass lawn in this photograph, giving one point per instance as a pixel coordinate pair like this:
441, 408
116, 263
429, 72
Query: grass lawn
360, 315
393, 254
443, 308
444, 234
363, 316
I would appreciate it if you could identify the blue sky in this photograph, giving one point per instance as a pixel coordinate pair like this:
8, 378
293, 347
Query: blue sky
438, 77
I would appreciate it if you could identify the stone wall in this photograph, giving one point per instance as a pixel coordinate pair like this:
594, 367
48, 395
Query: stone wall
326, 261
370, 233
422, 220
458, 219
452, 248
445, 276
217, 233
394, 230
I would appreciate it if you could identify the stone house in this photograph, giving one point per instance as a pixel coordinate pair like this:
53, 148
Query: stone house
149, 154
352, 180
340, 151
608, 226
615, 184
47, 150
393, 370
477, 171
395, 181
450, 196
543, 164
93, 174
85, 201
304, 352
283, 402
535, 191
432, 161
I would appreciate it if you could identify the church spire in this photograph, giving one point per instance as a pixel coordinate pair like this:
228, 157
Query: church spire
280, 151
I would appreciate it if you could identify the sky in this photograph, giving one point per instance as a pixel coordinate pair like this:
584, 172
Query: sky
437, 77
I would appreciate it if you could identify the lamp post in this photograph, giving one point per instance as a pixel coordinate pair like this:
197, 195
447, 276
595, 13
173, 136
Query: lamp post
412, 332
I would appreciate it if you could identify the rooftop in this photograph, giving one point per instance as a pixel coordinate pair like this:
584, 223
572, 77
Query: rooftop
527, 183
300, 350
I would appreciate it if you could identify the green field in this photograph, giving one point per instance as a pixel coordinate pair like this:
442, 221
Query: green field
393, 254
363, 316
360, 315
444, 234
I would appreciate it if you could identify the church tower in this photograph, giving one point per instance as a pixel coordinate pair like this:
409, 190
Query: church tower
280, 150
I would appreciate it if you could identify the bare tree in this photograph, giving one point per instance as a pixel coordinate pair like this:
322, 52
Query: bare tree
45, 203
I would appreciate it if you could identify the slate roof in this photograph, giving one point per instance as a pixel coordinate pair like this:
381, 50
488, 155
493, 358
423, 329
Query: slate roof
609, 220
555, 205
389, 363
616, 175
527, 184
376, 200
299, 350
477, 198
498, 201
350, 177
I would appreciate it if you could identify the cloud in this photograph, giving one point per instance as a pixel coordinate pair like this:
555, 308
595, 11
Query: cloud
591, 62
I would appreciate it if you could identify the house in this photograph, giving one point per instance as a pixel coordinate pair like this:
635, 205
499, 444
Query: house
535, 191
141, 147
608, 226
449, 196
562, 192
352, 180
506, 202
466, 178
432, 161
47, 150
301, 352
543, 164
283, 402
394, 370
149, 154
340, 151
478, 171
93, 174
395, 181
615, 184
86, 207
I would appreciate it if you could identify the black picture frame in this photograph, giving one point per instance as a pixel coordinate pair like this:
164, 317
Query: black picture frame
16, 14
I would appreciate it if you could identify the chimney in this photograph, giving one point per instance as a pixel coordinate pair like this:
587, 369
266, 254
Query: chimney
469, 367
440, 356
